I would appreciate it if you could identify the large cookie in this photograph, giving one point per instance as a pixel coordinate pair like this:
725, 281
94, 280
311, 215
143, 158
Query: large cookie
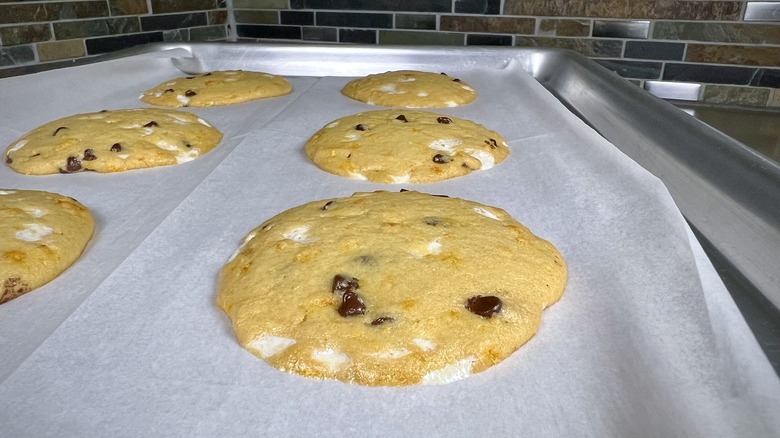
41, 234
404, 146
389, 288
112, 141
217, 88
410, 89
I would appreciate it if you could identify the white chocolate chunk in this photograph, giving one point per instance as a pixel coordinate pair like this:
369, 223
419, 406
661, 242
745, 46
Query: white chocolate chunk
406, 79
434, 247
187, 156
358, 176
183, 99
422, 94
20, 144
451, 103
331, 358
33, 232
484, 157
485, 213
445, 145
352, 136
332, 125
122, 156
267, 346
203, 122
403, 179
298, 234
424, 344
456, 371
7, 192
391, 354
34, 211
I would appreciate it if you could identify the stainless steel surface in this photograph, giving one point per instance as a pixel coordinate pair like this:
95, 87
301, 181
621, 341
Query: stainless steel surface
673, 90
621, 29
762, 11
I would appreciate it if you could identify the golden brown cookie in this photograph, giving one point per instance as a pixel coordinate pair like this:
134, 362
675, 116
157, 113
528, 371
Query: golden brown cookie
41, 234
404, 146
389, 288
410, 89
112, 141
217, 88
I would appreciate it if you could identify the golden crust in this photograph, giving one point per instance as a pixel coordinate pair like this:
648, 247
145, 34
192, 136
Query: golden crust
410, 89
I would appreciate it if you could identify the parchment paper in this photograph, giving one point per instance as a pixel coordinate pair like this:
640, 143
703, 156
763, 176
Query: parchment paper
645, 341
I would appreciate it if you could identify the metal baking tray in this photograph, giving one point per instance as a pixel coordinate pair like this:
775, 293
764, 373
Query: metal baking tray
729, 193
726, 192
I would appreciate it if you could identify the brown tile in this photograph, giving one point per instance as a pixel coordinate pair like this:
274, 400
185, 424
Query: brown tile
260, 4
636, 9
31, 33
468, 23
741, 96
717, 32
742, 55
66, 30
128, 7
573, 8
61, 50
38, 12
775, 100
217, 17
564, 27
166, 6
257, 17
595, 48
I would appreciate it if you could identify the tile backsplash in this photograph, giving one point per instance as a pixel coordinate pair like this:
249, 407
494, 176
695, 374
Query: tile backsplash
727, 51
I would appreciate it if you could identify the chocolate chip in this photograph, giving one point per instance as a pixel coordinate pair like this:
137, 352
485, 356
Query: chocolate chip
441, 158
151, 124
58, 130
445, 74
492, 143
35, 155
74, 165
444, 120
89, 155
361, 127
187, 145
402, 118
344, 283
116, 147
456, 80
351, 305
190, 77
484, 306
441, 196
404, 190
169, 90
103, 111
382, 319
189, 93
8, 159
207, 74
366, 260
327, 205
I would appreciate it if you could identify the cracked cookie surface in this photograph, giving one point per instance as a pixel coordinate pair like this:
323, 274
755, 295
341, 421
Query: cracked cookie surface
112, 141
217, 88
41, 235
410, 89
389, 288
404, 146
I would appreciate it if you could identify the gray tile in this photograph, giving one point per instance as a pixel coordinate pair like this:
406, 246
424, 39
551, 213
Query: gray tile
762, 11
415, 38
621, 29
654, 50
16, 55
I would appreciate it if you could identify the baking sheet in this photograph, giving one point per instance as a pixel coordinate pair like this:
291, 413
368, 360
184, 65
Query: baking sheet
645, 341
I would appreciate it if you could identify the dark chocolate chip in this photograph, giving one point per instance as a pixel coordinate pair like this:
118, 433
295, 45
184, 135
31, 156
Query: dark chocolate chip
441, 196
404, 190
103, 111
445, 74
151, 124
441, 158
456, 80
189, 93
484, 306
74, 165
327, 205
187, 145
444, 120
349, 155
190, 77
116, 147
402, 118
382, 319
366, 260
344, 283
361, 127
169, 90
89, 155
351, 305
207, 74
58, 130
492, 143
8, 159
35, 155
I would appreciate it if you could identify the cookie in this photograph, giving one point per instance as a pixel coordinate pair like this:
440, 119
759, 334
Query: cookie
217, 88
410, 89
389, 288
41, 234
404, 146
112, 141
